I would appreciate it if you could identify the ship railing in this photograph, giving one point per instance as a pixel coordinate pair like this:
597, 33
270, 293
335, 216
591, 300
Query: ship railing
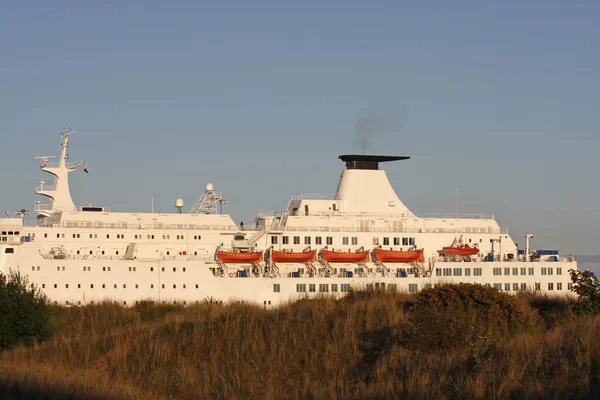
313, 197
399, 230
43, 207
455, 216
406, 216
128, 225
45, 188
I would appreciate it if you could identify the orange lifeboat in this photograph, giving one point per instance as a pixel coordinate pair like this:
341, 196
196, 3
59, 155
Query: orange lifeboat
464, 250
293, 257
399, 256
340, 256
237, 257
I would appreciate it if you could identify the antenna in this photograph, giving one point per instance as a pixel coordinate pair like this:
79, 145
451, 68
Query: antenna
457, 200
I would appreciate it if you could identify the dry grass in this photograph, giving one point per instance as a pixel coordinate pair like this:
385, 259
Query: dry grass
365, 346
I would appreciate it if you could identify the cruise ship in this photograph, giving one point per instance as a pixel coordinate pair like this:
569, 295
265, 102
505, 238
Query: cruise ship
361, 238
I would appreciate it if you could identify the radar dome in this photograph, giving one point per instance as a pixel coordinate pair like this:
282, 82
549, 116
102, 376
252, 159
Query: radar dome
179, 203
209, 187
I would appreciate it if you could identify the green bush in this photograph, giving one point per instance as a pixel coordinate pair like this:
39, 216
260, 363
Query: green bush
450, 316
587, 287
25, 315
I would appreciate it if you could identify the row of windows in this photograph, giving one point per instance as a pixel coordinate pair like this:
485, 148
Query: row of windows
116, 286
457, 271
346, 240
523, 270
87, 268
122, 236
537, 286
312, 287
10, 233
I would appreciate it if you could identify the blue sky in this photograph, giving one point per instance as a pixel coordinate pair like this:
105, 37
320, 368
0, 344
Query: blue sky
498, 99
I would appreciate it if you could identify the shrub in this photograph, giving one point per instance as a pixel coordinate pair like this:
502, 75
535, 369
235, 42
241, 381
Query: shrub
449, 316
26, 315
587, 287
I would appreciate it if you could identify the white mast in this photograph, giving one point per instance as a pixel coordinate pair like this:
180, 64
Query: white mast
59, 194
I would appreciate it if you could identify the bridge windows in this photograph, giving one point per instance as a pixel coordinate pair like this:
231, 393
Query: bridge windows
386, 241
306, 239
273, 239
276, 288
354, 241
413, 287
558, 271
477, 271
497, 271
531, 271
296, 239
329, 240
312, 287
345, 241
396, 241
550, 286
318, 240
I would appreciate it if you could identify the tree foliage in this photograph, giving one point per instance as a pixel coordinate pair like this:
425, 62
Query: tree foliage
587, 287
24, 312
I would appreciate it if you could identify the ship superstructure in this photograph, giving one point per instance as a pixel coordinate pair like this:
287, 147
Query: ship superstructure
363, 237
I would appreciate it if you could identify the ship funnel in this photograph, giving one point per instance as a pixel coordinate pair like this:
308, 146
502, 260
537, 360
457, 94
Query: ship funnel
364, 188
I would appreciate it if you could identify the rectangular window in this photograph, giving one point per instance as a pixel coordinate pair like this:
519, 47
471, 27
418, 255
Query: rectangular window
404, 241
515, 286
411, 241
523, 286
273, 239
413, 287
345, 287
523, 271
9, 250
323, 287
544, 271
531, 271
285, 240
538, 286
559, 286
507, 271
457, 272
312, 287
570, 286
396, 241
477, 271
301, 287
306, 239
550, 286
345, 241
497, 271
375, 241
498, 286
550, 270
354, 241
329, 240
558, 271
318, 240
467, 271
296, 239
515, 271
334, 287
386, 241
507, 287
276, 287
438, 272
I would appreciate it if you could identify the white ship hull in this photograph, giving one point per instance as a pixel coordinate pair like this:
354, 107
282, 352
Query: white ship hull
79, 256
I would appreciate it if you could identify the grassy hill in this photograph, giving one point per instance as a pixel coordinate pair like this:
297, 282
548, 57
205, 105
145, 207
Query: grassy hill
462, 342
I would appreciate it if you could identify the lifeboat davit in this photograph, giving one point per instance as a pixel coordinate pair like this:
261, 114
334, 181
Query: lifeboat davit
340, 256
399, 256
293, 257
464, 250
237, 257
